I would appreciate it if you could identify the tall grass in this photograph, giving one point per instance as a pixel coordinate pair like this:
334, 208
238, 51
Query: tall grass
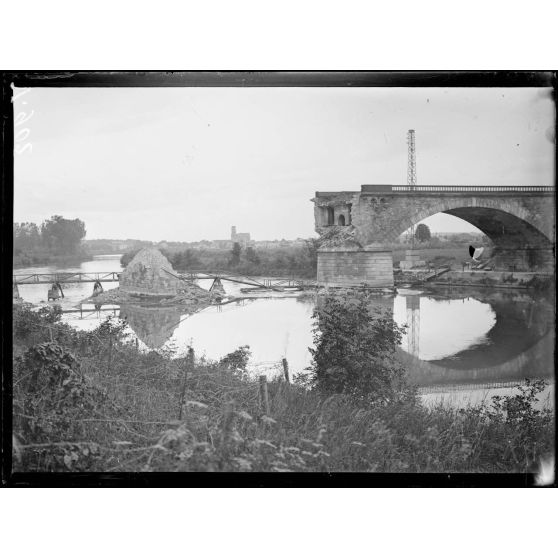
90, 401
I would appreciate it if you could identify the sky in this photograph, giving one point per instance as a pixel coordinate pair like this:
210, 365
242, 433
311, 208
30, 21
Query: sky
184, 164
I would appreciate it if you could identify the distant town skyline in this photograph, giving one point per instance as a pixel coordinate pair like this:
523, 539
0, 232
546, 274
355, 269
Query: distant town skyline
186, 164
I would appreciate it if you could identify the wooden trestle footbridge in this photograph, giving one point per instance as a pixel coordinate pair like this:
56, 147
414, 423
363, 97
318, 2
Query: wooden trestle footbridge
252, 285
278, 284
56, 280
79, 277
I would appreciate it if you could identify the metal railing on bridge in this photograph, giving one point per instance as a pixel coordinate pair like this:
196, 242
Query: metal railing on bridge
461, 189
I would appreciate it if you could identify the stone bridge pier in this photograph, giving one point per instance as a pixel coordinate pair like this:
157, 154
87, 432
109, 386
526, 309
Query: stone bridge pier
357, 229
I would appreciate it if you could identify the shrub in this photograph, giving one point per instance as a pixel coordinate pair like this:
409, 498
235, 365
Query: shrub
355, 345
51, 394
27, 321
237, 361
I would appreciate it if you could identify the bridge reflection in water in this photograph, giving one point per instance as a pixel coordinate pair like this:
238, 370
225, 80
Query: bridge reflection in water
518, 344
455, 337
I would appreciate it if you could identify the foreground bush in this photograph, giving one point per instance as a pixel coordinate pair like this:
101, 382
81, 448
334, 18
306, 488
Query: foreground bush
117, 409
354, 348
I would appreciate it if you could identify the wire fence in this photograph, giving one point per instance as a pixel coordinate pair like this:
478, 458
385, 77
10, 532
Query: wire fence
169, 388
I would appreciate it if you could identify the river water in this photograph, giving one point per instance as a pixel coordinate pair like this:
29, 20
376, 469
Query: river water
461, 346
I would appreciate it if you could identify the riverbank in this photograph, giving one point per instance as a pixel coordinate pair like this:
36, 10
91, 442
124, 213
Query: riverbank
90, 401
498, 279
536, 280
21, 261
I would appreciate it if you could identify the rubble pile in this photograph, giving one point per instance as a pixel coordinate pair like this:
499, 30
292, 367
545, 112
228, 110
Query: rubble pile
188, 295
340, 237
151, 274
149, 279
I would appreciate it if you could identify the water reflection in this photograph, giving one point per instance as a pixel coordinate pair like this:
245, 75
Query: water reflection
456, 337
439, 328
478, 336
275, 328
468, 329
154, 326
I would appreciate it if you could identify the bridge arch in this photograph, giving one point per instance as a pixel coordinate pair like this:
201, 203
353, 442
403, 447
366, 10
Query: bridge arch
487, 215
519, 220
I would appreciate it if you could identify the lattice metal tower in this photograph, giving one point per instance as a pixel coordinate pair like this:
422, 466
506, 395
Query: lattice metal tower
412, 162
411, 171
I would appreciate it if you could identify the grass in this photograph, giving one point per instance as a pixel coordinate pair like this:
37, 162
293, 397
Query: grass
90, 401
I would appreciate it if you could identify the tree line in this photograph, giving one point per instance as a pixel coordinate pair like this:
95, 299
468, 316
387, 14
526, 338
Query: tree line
55, 239
299, 261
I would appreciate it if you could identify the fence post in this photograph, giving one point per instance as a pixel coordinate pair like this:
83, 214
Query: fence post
264, 395
109, 353
286, 369
187, 365
228, 416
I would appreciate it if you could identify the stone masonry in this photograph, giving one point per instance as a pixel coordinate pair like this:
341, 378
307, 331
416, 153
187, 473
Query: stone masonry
518, 219
346, 268
147, 275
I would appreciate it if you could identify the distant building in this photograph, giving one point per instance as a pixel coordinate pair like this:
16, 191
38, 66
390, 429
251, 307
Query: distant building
242, 238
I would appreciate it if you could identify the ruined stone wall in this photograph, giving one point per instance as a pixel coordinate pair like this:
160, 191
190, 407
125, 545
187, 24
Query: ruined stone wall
341, 203
147, 275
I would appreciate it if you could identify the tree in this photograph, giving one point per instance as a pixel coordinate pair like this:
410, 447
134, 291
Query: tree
62, 236
235, 253
26, 237
422, 233
355, 345
252, 256
186, 259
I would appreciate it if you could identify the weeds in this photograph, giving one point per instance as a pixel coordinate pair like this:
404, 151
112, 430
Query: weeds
73, 413
354, 348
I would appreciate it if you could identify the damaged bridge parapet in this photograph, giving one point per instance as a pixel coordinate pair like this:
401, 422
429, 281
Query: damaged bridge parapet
358, 228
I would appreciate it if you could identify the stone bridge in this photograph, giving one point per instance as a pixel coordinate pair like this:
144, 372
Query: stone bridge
357, 229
